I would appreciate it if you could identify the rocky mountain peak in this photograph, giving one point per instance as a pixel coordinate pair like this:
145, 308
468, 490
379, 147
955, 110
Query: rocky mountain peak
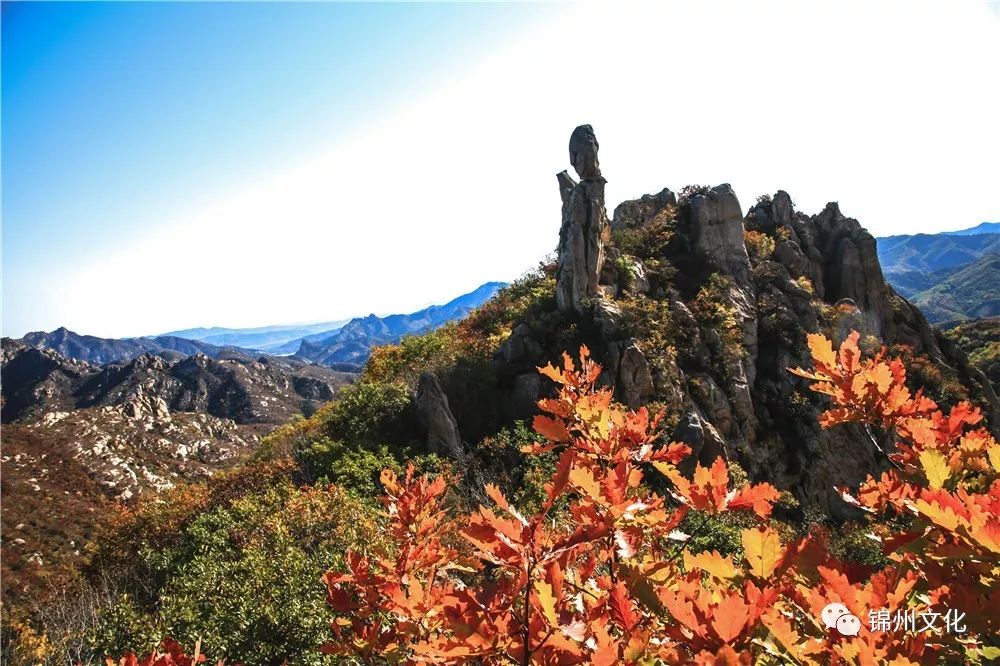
692, 304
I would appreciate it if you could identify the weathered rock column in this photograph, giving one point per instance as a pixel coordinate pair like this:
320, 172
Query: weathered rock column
584, 225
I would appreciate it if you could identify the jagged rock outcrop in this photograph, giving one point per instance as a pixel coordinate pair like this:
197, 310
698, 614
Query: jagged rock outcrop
436, 418
823, 274
642, 211
719, 327
584, 227
703, 310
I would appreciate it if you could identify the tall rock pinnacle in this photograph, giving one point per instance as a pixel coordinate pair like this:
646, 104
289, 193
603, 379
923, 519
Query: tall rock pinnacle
584, 224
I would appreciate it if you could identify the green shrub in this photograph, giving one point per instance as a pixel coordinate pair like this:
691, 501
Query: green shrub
244, 579
650, 240
357, 468
522, 477
714, 310
720, 532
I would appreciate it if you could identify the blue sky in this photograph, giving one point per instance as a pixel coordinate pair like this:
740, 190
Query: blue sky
239, 164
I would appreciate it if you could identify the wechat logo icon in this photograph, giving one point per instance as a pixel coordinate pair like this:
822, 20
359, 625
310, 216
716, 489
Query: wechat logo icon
836, 616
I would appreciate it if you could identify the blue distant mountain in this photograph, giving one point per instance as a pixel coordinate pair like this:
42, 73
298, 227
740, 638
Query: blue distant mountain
950, 275
982, 228
273, 339
108, 350
352, 343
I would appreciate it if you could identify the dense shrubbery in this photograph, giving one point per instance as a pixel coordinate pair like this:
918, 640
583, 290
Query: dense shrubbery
233, 562
649, 243
714, 310
242, 577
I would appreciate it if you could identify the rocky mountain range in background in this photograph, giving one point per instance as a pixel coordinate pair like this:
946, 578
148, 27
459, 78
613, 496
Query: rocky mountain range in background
343, 345
108, 350
89, 420
138, 413
138, 423
350, 345
981, 228
951, 276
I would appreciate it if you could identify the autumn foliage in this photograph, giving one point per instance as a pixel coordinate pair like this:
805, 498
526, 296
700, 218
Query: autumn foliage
601, 574
172, 654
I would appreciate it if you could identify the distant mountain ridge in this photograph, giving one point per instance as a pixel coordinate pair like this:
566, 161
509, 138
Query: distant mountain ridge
97, 350
351, 344
950, 275
272, 339
981, 228
931, 252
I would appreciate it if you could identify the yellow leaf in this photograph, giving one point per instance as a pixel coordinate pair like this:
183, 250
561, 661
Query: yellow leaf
713, 563
583, 479
762, 548
822, 350
547, 601
935, 467
881, 375
994, 455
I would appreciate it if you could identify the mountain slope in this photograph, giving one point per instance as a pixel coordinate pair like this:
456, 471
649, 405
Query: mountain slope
949, 275
933, 252
267, 390
980, 339
703, 312
972, 290
352, 344
77, 435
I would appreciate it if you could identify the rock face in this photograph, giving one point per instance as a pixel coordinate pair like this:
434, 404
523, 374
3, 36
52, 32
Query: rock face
584, 227
436, 417
641, 211
38, 379
716, 224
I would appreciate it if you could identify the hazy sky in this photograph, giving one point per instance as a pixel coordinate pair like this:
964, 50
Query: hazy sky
242, 164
